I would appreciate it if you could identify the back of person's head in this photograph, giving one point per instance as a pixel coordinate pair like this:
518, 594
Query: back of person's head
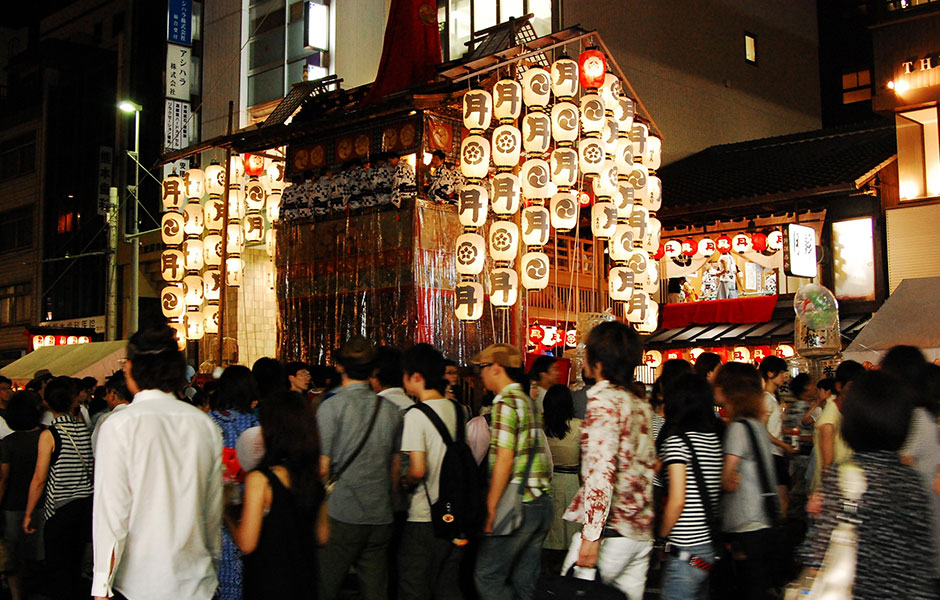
5, 381
742, 388
558, 408
828, 384
908, 364
59, 394
387, 368
799, 384
269, 375
289, 430
846, 372
33, 385
117, 383
356, 357
89, 383
24, 411
156, 362
876, 412
439, 154
932, 396
200, 400
690, 406
617, 349
672, 369
706, 363
427, 361
539, 366
772, 366
292, 368
237, 390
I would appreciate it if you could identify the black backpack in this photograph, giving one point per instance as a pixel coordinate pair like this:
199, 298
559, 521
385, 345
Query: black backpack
458, 513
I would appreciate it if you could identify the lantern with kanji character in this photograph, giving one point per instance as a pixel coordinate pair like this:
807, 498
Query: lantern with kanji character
639, 222
638, 135
706, 247
274, 176
621, 243
536, 222
254, 195
653, 358
475, 157
253, 225
195, 323
623, 200
212, 250
591, 155
173, 192
504, 241
603, 219
654, 229
236, 203
605, 184
775, 240
609, 136
535, 177
535, 269
536, 87
213, 213
171, 302
759, 242
785, 351
535, 334
637, 307
192, 219
723, 244
193, 290
564, 167
477, 110
566, 122
672, 249
470, 252
565, 77
638, 177
507, 99
468, 301
741, 243
592, 65
564, 211
593, 118
236, 174
536, 133
194, 181
236, 239
472, 203
653, 199
507, 146
234, 271
215, 179
652, 158
507, 193
171, 228
192, 254
211, 314
649, 324
610, 91
652, 277
689, 247
172, 265
741, 354
212, 284
624, 112
504, 287
254, 165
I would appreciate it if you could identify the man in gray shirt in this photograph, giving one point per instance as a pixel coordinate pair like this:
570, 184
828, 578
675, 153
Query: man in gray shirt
360, 505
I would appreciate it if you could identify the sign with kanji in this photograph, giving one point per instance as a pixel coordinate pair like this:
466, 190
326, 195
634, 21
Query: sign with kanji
178, 71
180, 22
105, 178
176, 125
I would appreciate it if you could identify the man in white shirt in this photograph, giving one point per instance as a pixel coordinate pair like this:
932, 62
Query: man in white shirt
117, 397
158, 485
386, 379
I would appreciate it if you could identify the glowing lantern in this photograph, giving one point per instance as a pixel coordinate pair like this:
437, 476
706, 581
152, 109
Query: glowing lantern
759, 242
273, 207
593, 67
213, 213
536, 133
254, 195
603, 219
270, 242
211, 314
472, 205
269, 277
477, 110
215, 179
171, 265
609, 135
605, 184
180, 332
536, 179
192, 254
564, 166
507, 192
212, 250
536, 334
621, 243
652, 277
775, 241
193, 290
535, 268
468, 301
592, 113
706, 247
723, 244
638, 307
741, 354
507, 145
535, 225
652, 158
623, 154
660, 252
275, 176
694, 353
689, 247
638, 135
195, 323
504, 241
566, 122
591, 155
171, 228
610, 91
236, 173
571, 338
236, 239
624, 113
649, 324
536, 87
585, 199
254, 227
212, 284
623, 200
654, 194
195, 182
193, 219
172, 192
639, 263
639, 222
564, 210
236, 203
741, 243
507, 99
785, 351
504, 287
254, 165
565, 78
475, 157
639, 179
470, 252
653, 358
654, 229
233, 271
760, 353
171, 302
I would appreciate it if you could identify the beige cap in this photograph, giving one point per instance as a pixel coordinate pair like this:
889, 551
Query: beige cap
504, 355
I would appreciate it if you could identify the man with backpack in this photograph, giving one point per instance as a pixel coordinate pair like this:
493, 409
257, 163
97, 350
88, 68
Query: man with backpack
445, 506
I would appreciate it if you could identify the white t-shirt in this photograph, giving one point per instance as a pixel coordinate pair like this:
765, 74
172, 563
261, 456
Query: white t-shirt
775, 421
420, 435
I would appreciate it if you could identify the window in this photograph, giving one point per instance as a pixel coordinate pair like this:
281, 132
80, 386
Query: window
750, 48
16, 229
461, 19
15, 303
918, 153
856, 87
853, 264
17, 156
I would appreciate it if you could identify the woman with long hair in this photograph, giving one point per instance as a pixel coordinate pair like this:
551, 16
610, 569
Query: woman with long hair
563, 431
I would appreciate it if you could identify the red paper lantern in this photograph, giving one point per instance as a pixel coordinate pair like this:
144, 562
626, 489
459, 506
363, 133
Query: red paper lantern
660, 252
689, 247
759, 242
254, 165
760, 353
593, 67
536, 334
724, 244
585, 199
672, 354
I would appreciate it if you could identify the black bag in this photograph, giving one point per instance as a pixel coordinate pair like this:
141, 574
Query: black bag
563, 587
457, 515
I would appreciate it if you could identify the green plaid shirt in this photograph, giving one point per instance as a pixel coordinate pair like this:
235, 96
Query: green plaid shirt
516, 426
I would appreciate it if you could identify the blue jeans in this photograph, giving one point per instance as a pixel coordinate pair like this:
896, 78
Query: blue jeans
683, 581
508, 566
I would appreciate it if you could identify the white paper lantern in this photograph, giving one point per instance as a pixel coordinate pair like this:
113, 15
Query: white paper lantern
477, 110
654, 193
638, 307
654, 230
775, 240
535, 270
620, 284
212, 250
213, 214
507, 146
565, 78
270, 242
180, 333
468, 301
672, 249
536, 133
236, 239
706, 247
609, 135
193, 290
507, 193
639, 222
273, 206
171, 228
504, 287
652, 158
564, 211
174, 193
623, 200
234, 268
566, 122
638, 262
504, 241
470, 253
236, 203
536, 87
621, 243
475, 157
638, 135
535, 176
472, 204
171, 302
236, 173
652, 280
269, 275
215, 180
591, 155
194, 180
212, 284
507, 99
192, 254
603, 219
592, 113
624, 113
536, 225
564, 166
274, 176
211, 313
741, 243
192, 219
172, 265
253, 224
195, 323
254, 195
639, 179
623, 155
605, 184
651, 322
610, 91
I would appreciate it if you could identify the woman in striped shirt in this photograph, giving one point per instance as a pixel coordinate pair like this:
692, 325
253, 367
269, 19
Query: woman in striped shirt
691, 438
64, 470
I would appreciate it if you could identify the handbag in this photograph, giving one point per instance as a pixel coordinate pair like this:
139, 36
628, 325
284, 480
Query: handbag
564, 587
509, 509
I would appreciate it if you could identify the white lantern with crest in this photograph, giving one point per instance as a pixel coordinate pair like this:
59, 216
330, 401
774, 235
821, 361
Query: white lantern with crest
236, 174
609, 135
195, 323
741, 243
654, 231
475, 157
254, 195
193, 219
605, 184
171, 302
620, 284
470, 252
507, 146
194, 291
638, 135
213, 213
565, 78
591, 155
564, 166
706, 248
253, 224
566, 123
468, 301
535, 270
173, 192
654, 193
192, 254
536, 87
536, 222
236, 239
473, 201
195, 182
775, 240
212, 282
564, 211
507, 193
649, 324
507, 99
477, 110
639, 179
236, 203
172, 265
652, 158
592, 113
212, 250
610, 91
171, 228
639, 222
504, 287
623, 155
603, 219
623, 200
638, 307
652, 277
638, 262
274, 176
536, 133
621, 243
624, 113
215, 179
536, 179
504, 241
672, 249
211, 313
234, 271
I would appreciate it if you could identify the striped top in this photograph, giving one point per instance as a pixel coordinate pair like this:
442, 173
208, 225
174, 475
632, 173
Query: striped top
69, 477
692, 529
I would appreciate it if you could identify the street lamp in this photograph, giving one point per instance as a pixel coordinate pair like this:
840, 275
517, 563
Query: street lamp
128, 107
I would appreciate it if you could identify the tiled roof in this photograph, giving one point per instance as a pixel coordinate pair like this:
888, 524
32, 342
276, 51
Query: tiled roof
768, 168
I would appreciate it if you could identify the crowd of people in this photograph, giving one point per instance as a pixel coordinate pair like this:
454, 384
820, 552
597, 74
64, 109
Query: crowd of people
397, 474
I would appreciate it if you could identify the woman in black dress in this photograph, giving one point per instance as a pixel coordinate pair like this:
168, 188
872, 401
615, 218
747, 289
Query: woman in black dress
276, 531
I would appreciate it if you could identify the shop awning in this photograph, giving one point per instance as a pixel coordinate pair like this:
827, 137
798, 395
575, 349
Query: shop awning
910, 316
97, 359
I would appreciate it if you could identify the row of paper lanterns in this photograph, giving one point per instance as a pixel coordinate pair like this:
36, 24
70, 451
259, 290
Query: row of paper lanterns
705, 247
744, 354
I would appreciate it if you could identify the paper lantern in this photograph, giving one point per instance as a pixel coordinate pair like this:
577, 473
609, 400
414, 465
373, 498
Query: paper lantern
215, 179
536, 87
637, 307
212, 284
624, 113
585, 199
706, 247
760, 353
566, 122
620, 284
741, 354
171, 302
194, 180
592, 65
273, 206
211, 314
236, 239
535, 269
536, 133
652, 277
610, 91
270, 242
254, 195
195, 323
535, 177
507, 146
623, 155
192, 254
654, 229
621, 243
639, 179
660, 252
504, 287
274, 176
672, 249
591, 155
470, 253
653, 358
654, 194
477, 110
605, 184
649, 324
472, 205
212, 250
253, 224
564, 211
723, 244
689, 247
504, 241
603, 219
638, 135
193, 219
639, 222
623, 200
236, 172
172, 266
269, 276
180, 333
536, 222
571, 338
638, 262
609, 136
173, 192
475, 157
507, 193
171, 228
536, 334
593, 118
254, 165
775, 241
564, 167
507, 99
759, 242
234, 268
785, 351
213, 213
565, 78
741, 243
236, 203
193, 290
652, 158
468, 301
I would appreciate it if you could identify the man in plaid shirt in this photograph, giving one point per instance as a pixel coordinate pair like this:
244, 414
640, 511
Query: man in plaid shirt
508, 566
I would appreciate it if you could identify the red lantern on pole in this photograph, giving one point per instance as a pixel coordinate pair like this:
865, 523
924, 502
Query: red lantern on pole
689, 247
593, 67
723, 243
254, 165
759, 242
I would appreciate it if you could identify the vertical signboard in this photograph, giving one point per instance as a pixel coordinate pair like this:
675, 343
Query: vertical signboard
105, 178
176, 125
178, 69
180, 22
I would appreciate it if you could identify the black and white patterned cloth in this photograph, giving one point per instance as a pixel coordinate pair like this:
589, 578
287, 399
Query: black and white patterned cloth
444, 184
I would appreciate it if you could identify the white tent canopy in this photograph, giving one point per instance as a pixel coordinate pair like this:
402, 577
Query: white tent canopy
911, 316
97, 359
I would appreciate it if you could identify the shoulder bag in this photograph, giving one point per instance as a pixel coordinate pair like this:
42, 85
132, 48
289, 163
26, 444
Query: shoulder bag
509, 509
